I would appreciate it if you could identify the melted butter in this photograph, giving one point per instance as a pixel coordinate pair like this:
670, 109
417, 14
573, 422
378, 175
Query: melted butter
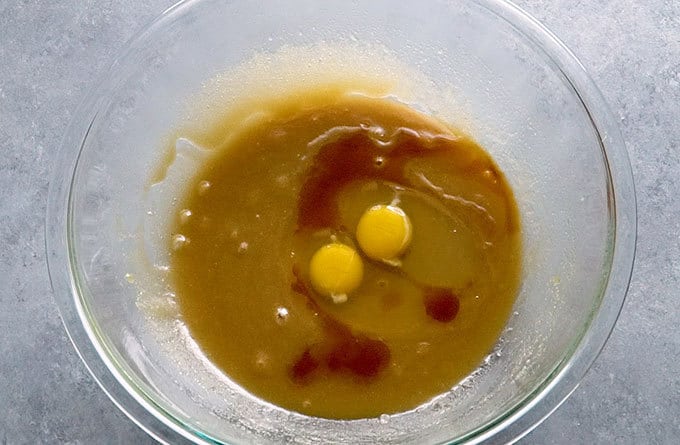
290, 175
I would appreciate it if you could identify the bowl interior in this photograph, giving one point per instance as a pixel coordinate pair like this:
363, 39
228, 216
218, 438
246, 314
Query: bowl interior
496, 81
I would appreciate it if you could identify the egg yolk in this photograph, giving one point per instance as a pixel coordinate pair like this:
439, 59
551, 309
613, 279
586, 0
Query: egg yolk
336, 270
384, 232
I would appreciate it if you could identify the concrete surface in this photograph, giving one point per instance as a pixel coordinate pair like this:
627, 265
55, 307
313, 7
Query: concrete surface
49, 54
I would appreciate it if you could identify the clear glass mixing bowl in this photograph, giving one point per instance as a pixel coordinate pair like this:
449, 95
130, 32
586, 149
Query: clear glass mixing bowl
527, 100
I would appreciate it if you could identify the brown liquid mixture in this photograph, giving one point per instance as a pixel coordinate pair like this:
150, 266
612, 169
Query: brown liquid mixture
297, 174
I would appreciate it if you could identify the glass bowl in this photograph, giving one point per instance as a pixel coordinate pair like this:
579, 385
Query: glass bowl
516, 89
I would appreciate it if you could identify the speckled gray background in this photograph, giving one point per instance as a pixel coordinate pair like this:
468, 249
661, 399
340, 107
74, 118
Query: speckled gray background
49, 54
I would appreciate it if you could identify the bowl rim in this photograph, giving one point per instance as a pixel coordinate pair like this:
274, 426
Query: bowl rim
509, 426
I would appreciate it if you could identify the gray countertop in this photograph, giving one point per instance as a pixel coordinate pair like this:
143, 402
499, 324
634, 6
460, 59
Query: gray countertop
49, 54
